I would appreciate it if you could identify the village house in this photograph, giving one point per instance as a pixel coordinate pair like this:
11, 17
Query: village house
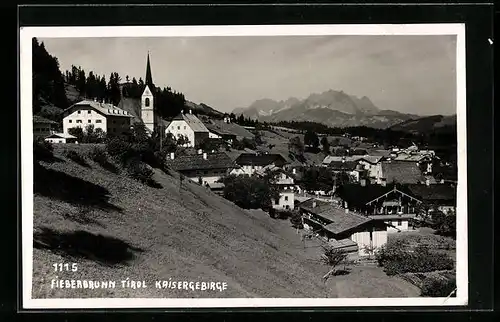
401, 172
248, 163
395, 205
227, 130
110, 119
188, 126
442, 197
285, 184
60, 138
43, 127
342, 228
203, 168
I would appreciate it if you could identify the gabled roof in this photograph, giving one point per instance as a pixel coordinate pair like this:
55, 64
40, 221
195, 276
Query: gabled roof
343, 166
219, 126
340, 221
196, 162
259, 159
103, 108
42, 120
192, 121
435, 192
359, 196
402, 172
61, 135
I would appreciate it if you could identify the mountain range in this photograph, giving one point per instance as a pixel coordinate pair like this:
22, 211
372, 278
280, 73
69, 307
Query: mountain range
332, 108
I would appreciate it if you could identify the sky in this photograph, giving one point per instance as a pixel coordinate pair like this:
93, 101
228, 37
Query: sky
410, 74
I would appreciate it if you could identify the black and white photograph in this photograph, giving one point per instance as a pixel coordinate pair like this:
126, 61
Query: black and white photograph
244, 166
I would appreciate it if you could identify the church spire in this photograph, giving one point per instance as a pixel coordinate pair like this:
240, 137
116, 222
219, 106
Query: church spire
149, 78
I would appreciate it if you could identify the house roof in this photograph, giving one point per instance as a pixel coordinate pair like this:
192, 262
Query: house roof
340, 220
103, 108
359, 196
42, 120
373, 159
216, 185
196, 162
259, 159
320, 205
343, 166
411, 157
192, 121
221, 127
61, 135
434, 192
402, 172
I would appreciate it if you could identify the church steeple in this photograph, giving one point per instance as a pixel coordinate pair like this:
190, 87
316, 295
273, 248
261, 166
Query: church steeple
149, 78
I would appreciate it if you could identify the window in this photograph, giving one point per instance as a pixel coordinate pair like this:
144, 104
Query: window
276, 202
79, 112
178, 127
286, 198
89, 121
70, 121
147, 101
184, 127
78, 121
98, 121
400, 222
89, 112
287, 207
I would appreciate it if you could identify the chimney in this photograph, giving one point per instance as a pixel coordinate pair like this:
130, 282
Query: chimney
314, 204
294, 171
346, 210
383, 183
427, 182
204, 156
363, 182
345, 205
200, 151
190, 111
172, 155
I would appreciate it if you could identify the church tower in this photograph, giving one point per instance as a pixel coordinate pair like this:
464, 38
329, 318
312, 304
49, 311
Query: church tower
147, 101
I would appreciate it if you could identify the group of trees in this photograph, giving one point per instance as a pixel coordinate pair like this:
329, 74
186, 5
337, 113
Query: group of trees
94, 86
48, 82
249, 192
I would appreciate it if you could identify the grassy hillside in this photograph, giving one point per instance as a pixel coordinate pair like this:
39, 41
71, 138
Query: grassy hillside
116, 228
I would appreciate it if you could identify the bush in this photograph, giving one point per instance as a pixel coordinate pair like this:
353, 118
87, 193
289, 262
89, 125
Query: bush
438, 287
42, 150
75, 156
398, 258
120, 149
140, 171
99, 156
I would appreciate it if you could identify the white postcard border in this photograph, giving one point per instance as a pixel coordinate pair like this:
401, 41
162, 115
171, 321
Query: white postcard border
27, 33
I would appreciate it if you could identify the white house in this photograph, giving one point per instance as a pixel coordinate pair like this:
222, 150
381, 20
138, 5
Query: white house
285, 184
60, 138
189, 126
248, 163
110, 119
342, 228
203, 168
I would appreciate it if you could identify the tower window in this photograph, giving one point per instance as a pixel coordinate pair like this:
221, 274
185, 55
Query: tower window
147, 101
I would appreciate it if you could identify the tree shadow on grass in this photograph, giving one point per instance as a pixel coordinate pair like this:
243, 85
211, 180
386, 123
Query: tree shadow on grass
58, 185
81, 244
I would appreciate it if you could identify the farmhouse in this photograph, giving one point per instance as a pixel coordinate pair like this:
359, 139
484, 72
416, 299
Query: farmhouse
227, 130
110, 119
248, 163
188, 126
285, 184
395, 205
60, 138
401, 172
343, 229
43, 127
203, 168
441, 196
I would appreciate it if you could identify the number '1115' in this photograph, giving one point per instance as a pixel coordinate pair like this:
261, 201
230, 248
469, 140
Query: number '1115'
60, 267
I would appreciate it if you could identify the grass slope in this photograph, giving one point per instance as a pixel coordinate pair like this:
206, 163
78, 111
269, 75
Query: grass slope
153, 234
